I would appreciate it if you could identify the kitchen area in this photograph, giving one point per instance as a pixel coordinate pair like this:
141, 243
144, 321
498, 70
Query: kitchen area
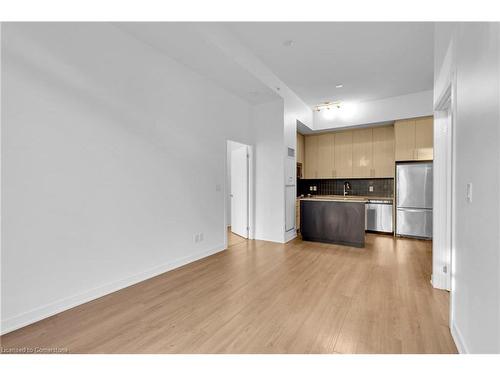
373, 179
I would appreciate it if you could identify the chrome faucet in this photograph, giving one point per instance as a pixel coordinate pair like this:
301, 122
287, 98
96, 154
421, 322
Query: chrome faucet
347, 188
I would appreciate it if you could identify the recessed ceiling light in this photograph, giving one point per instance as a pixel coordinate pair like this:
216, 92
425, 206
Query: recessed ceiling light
339, 86
288, 43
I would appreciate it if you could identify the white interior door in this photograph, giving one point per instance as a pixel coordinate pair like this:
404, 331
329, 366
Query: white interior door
239, 191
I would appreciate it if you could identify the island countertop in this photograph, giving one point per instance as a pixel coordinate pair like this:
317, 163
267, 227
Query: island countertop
335, 199
348, 198
338, 221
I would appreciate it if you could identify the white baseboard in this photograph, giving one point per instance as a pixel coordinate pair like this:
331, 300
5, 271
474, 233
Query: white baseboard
63, 304
290, 235
458, 338
438, 281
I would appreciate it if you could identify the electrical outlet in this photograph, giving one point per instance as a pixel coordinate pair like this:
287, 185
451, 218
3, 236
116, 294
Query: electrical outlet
198, 237
370, 189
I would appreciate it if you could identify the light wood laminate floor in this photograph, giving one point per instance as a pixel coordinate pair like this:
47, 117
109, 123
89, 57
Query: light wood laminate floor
262, 297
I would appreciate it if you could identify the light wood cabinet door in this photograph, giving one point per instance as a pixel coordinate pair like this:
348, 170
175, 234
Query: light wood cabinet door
343, 154
424, 138
311, 154
297, 214
404, 131
383, 151
326, 155
362, 153
300, 149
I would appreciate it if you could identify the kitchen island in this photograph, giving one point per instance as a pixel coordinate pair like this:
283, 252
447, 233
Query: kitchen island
333, 220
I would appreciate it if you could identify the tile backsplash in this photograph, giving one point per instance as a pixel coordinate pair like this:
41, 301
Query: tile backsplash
382, 187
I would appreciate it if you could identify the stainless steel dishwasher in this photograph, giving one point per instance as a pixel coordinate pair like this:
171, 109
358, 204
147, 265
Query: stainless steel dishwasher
378, 214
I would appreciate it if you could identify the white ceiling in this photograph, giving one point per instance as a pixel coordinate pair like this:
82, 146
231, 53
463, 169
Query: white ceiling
372, 60
185, 43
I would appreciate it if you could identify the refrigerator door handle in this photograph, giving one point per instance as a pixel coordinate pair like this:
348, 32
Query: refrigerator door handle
409, 209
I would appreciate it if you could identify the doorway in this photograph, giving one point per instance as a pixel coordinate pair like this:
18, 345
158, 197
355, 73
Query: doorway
443, 253
238, 192
443, 191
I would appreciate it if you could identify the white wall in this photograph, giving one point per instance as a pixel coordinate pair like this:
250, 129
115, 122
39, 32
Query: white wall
111, 158
294, 109
375, 111
269, 219
475, 60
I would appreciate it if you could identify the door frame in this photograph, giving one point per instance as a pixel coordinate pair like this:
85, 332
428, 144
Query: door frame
445, 110
250, 190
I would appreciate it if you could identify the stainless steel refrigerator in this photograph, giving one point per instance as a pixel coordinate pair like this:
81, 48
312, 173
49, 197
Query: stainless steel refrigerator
414, 199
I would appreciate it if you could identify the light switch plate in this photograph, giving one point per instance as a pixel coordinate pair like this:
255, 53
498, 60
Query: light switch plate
468, 195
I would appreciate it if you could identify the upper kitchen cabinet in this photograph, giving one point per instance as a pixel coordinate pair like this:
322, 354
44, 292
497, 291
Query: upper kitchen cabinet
311, 156
424, 138
362, 153
383, 151
326, 155
414, 139
300, 149
343, 154
404, 131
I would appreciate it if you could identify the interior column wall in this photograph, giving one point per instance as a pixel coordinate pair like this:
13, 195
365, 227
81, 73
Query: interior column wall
474, 71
